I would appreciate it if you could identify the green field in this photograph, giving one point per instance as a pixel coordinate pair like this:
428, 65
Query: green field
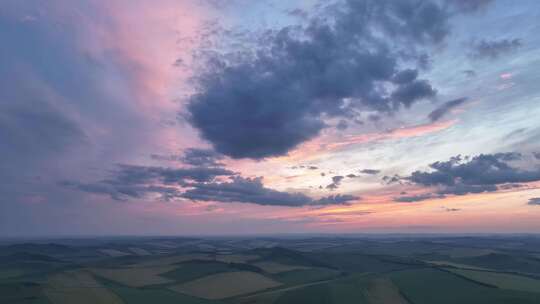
22, 293
154, 295
501, 280
428, 286
188, 271
301, 276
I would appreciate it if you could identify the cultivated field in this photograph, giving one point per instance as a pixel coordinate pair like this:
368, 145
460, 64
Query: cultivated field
383, 291
301, 276
78, 287
456, 265
135, 277
189, 271
389, 270
114, 252
236, 258
468, 252
10, 273
139, 251
170, 260
501, 280
225, 285
273, 267
429, 286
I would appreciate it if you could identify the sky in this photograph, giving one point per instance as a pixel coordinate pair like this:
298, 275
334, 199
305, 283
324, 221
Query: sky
211, 117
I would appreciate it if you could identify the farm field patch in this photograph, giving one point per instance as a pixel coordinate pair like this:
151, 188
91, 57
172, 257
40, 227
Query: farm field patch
456, 265
225, 285
114, 252
273, 267
428, 286
501, 280
136, 277
78, 287
383, 291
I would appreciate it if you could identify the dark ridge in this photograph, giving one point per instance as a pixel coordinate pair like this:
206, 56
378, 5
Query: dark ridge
50, 248
468, 279
504, 262
28, 257
288, 256
246, 267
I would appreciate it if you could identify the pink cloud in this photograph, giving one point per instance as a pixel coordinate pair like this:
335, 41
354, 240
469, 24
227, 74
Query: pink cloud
506, 75
324, 145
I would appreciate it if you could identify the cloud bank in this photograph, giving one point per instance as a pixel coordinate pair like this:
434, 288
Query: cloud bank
203, 180
262, 103
483, 173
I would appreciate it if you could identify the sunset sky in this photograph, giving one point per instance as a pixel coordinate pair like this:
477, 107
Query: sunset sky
207, 117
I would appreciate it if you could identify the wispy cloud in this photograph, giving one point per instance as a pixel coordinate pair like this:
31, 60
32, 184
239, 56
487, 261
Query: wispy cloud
535, 201
443, 109
405, 132
494, 49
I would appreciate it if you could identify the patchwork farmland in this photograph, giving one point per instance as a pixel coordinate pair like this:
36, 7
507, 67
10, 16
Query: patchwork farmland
346, 270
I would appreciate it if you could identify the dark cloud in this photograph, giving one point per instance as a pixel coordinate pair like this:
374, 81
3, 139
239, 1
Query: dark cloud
405, 76
194, 157
396, 179
342, 125
370, 171
445, 108
451, 209
510, 186
461, 189
309, 167
351, 175
416, 198
536, 155
142, 174
299, 13
482, 173
339, 199
251, 190
336, 182
374, 118
407, 94
263, 103
122, 192
165, 157
484, 49
470, 6
197, 184
202, 157
535, 201
130, 181
469, 73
